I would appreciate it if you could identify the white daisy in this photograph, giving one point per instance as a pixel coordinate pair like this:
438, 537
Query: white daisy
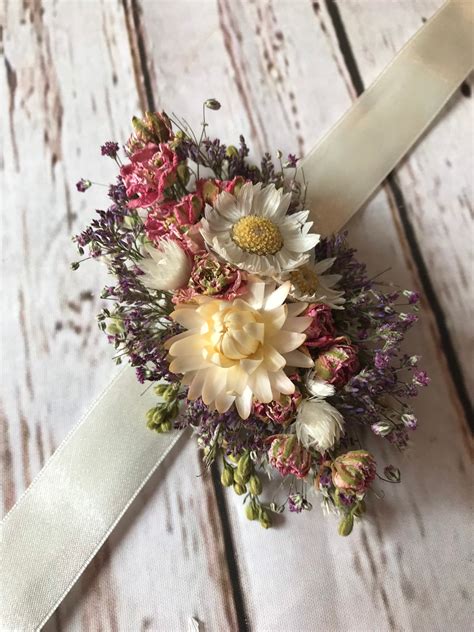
253, 231
309, 283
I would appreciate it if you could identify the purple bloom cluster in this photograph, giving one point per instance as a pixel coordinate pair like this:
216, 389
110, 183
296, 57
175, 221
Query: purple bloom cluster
371, 318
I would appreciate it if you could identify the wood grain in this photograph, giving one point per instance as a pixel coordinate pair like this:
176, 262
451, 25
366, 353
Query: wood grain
74, 73
70, 88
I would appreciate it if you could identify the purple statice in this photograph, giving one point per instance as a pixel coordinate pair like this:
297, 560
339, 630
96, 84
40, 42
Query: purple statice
82, 185
110, 149
291, 161
117, 192
235, 433
375, 397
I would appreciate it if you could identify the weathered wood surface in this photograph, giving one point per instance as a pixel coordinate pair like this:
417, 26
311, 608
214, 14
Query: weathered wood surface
74, 73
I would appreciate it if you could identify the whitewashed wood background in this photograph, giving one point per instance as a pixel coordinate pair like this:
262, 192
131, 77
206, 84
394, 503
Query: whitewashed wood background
73, 73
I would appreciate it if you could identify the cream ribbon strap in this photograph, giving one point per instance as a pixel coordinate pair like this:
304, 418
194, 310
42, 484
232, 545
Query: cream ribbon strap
69, 510
358, 153
72, 506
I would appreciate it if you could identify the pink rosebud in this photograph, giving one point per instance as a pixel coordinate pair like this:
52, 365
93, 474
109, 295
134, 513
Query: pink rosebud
279, 411
338, 363
212, 277
321, 332
209, 189
354, 471
288, 456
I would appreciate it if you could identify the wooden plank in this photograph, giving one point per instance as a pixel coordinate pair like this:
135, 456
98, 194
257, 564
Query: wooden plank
70, 84
278, 66
436, 179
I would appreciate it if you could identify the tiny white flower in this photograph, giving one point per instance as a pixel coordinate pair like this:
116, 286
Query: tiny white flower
318, 425
319, 388
167, 267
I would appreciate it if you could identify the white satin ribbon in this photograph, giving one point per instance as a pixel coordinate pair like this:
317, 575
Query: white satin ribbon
72, 506
357, 154
64, 517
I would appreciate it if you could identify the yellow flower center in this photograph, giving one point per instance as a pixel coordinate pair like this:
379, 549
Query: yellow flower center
257, 235
305, 280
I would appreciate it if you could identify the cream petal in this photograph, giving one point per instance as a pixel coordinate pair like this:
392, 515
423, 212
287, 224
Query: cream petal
294, 309
255, 294
281, 383
286, 341
298, 359
214, 384
192, 342
297, 324
277, 297
244, 403
223, 402
255, 330
249, 365
185, 363
272, 360
237, 380
188, 318
195, 389
260, 385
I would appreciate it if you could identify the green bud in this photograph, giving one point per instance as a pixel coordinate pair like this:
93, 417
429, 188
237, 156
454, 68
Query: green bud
227, 476
264, 519
255, 485
212, 104
244, 466
238, 478
251, 511
346, 525
359, 509
231, 151
239, 489
183, 173
166, 426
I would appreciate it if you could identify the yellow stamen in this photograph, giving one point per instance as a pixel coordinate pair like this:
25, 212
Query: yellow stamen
257, 235
305, 280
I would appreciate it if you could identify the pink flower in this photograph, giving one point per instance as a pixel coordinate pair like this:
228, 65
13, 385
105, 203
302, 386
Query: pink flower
354, 471
279, 411
338, 363
151, 170
321, 331
188, 209
212, 277
288, 456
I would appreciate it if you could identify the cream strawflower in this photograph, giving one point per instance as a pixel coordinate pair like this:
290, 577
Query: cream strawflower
236, 351
253, 231
167, 268
310, 283
318, 424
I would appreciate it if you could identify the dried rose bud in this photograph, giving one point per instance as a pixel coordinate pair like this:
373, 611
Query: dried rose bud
280, 411
154, 127
288, 456
337, 364
321, 332
354, 471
